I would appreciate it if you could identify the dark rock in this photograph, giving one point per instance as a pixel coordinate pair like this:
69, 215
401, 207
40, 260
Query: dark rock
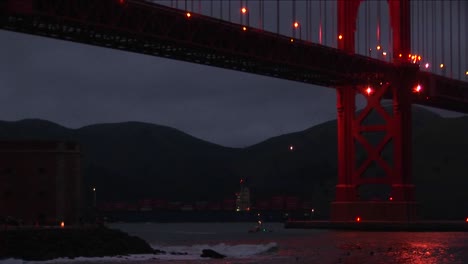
46, 244
209, 253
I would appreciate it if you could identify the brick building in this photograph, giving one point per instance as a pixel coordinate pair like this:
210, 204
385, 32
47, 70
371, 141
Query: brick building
40, 181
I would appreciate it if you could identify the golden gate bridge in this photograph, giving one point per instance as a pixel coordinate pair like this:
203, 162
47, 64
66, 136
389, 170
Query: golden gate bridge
408, 52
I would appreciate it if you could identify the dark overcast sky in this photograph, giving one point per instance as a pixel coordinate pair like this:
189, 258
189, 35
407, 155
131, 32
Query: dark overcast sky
76, 85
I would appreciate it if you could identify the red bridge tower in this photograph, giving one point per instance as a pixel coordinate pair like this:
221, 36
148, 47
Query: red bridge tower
395, 128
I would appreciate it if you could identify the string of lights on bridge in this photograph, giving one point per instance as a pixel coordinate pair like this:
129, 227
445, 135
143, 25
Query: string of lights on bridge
424, 14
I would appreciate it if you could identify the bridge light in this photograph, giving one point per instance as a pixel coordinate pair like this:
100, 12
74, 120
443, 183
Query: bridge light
378, 47
340, 37
244, 28
291, 148
426, 65
369, 90
419, 58
243, 10
417, 89
358, 219
188, 14
296, 24
292, 40
400, 55
384, 53
466, 219
391, 198
466, 73
441, 65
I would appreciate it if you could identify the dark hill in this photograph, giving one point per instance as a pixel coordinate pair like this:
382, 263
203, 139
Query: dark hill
130, 161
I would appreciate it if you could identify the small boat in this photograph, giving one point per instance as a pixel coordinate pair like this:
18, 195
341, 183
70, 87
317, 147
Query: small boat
259, 228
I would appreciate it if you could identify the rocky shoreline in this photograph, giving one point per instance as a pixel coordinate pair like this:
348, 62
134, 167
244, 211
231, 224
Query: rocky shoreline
50, 243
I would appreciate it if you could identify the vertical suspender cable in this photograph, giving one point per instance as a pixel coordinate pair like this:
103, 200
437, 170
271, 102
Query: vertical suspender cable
293, 17
185, 5
419, 27
325, 22
310, 21
434, 36
191, 5
262, 14
366, 26
259, 14
451, 39
248, 12
307, 21
378, 23
465, 12
423, 29
211, 8
240, 13
229, 10
320, 22
390, 39
459, 39
333, 14
412, 27
277, 17
442, 46
221, 9
311, 15
358, 42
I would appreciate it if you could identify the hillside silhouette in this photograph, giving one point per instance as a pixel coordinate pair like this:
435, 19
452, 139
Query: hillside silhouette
133, 160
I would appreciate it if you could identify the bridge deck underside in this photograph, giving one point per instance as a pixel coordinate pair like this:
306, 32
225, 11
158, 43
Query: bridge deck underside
161, 31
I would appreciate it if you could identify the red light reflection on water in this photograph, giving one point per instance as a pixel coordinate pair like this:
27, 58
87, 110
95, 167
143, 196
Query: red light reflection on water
404, 247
